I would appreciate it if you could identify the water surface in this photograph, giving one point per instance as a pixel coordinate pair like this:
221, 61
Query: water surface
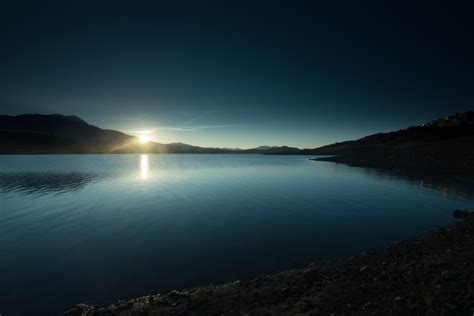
98, 228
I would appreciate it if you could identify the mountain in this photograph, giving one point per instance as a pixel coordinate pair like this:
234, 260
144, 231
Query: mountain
451, 127
445, 145
66, 127
60, 134
265, 147
273, 150
434, 144
173, 148
458, 119
35, 133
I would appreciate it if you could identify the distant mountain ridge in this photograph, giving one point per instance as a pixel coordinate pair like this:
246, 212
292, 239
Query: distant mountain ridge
61, 134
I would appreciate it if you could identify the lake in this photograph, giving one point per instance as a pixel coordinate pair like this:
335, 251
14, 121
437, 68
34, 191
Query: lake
98, 228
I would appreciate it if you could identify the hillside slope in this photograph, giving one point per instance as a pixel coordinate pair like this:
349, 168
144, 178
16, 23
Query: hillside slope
445, 145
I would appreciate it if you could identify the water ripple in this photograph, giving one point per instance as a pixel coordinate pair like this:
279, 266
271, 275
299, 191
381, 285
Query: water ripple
46, 182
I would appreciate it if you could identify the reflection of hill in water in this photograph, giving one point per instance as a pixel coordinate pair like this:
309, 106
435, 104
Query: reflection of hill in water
46, 182
452, 186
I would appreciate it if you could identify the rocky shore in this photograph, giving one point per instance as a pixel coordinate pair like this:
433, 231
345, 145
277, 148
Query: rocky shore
430, 275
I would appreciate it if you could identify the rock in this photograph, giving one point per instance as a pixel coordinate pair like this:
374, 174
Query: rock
399, 306
450, 307
448, 274
303, 306
462, 214
79, 310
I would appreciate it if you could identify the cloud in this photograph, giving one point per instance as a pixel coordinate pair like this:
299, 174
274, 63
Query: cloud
181, 129
191, 128
200, 117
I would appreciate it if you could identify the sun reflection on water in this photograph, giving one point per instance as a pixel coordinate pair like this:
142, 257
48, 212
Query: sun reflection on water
144, 167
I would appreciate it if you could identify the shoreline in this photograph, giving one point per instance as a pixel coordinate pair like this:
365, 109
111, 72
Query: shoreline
432, 274
451, 169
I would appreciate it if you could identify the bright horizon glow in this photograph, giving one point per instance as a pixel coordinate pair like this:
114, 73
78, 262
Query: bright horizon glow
143, 139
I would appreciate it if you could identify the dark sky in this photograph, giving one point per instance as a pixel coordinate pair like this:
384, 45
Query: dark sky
237, 73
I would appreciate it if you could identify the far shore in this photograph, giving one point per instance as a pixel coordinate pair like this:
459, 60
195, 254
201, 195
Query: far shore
429, 275
422, 150
463, 168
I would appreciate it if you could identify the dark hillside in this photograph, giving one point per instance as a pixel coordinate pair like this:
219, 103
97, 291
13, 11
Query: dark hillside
443, 146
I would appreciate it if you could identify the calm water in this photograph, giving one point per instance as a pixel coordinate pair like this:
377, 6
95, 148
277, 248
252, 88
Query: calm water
97, 228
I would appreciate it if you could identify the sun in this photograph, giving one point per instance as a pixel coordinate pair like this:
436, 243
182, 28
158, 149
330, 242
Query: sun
143, 139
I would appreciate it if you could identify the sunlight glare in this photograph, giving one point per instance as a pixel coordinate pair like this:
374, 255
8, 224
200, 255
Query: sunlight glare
144, 167
143, 139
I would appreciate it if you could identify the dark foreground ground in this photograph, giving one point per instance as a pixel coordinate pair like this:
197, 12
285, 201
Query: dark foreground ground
431, 275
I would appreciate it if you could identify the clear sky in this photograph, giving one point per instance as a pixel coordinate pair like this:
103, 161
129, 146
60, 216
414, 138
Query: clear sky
238, 73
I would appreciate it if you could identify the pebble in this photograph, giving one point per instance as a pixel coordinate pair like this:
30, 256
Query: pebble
450, 307
448, 274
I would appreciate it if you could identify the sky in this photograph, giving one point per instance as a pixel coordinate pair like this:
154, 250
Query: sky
238, 73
